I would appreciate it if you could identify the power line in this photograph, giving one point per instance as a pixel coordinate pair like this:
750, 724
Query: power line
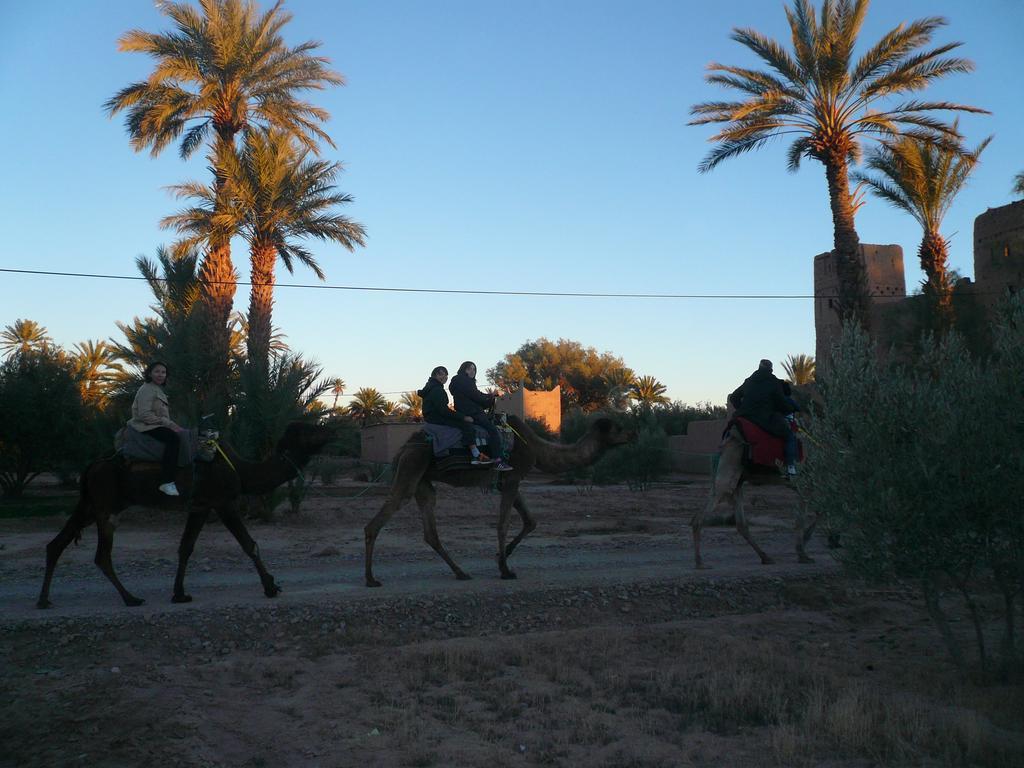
465, 291
470, 291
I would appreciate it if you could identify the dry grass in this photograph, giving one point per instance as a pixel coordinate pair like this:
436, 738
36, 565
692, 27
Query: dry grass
645, 697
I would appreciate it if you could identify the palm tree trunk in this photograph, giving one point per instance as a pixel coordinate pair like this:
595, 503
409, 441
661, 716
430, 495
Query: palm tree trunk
934, 256
217, 278
854, 301
261, 302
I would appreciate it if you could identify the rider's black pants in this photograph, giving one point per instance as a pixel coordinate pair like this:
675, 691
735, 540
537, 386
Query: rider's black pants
169, 464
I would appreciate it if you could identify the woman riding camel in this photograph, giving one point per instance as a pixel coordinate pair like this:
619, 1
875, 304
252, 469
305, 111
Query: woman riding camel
436, 411
473, 402
151, 416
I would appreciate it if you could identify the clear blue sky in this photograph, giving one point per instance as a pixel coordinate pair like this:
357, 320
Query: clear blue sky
534, 145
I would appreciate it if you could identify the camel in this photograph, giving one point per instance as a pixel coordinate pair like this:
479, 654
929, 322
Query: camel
727, 484
415, 471
727, 488
109, 485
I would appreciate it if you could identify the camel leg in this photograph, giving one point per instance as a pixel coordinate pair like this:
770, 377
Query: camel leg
504, 513
697, 523
105, 526
529, 524
233, 522
803, 532
744, 529
373, 528
193, 526
426, 499
78, 520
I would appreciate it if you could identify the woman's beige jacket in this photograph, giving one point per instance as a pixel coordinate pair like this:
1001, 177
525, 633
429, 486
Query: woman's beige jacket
150, 409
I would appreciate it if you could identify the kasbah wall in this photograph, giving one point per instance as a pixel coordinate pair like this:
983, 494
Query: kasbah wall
998, 268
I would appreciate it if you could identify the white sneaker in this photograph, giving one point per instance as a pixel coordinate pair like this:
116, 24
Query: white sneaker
170, 489
791, 470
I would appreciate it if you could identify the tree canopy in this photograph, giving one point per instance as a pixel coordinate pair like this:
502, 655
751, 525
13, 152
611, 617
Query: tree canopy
589, 379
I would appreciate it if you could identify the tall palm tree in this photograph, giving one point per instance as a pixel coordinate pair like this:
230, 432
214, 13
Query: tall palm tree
799, 369
367, 404
829, 104
278, 195
1018, 184
922, 177
412, 405
337, 389
24, 336
648, 392
223, 68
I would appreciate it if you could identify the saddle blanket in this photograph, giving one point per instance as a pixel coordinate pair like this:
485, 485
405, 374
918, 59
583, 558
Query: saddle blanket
141, 447
765, 448
444, 438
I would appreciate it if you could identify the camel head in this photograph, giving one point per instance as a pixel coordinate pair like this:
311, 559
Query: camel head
610, 434
304, 439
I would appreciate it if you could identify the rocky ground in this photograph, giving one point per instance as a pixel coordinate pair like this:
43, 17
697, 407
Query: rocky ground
608, 650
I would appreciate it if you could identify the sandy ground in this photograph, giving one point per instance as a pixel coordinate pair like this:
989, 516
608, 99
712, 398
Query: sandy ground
608, 650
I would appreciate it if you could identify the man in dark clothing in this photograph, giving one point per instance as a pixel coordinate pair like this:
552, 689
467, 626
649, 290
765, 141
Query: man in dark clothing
436, 411
472, 402
761, 399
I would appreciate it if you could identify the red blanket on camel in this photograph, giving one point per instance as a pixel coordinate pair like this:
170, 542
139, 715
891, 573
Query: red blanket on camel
765, 448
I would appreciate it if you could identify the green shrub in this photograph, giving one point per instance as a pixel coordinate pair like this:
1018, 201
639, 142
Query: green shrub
43, 421
638, 464
920, 467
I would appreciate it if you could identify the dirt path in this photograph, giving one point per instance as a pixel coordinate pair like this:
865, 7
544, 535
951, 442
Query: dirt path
608, 650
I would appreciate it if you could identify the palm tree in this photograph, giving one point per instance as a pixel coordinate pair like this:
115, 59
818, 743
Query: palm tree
1018, 184
412, 405
620, 383
278, 195
799, 369
337, 389
367, 404
24, 336
95, 363
922, 177
648, 392
222, 69
173, 335
830, 103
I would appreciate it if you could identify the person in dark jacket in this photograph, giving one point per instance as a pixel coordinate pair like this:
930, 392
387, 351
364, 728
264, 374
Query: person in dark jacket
436, 411
473, 402
761, 399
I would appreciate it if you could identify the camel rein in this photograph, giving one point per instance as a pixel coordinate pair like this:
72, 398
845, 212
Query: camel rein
295, 466
221, 452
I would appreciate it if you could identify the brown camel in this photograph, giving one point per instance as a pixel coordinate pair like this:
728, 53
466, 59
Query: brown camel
727, 488
109, 485
415, 470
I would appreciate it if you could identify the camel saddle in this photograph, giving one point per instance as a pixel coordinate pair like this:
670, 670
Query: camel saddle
449, 453
139, 449
762, 448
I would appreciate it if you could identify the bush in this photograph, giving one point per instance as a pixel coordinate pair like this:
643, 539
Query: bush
639, 464
920, 467
43, 422
675, 417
